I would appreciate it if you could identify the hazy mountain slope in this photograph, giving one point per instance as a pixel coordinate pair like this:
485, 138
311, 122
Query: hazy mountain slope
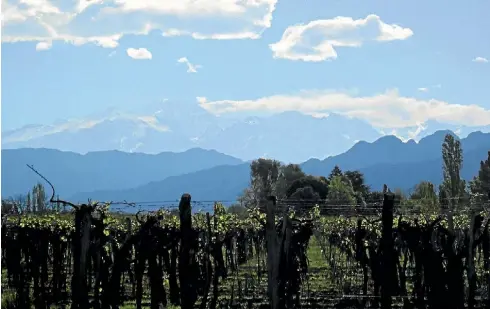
417, 162
180, 125
224, 183
289, 136
129, 135
406, 175
391, 150
227, 182
71, 172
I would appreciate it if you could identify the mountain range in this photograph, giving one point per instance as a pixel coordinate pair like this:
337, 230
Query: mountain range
210, 175
180, 126
103, 170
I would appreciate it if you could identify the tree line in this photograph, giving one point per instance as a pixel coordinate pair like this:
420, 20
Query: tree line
35, 201
289, 182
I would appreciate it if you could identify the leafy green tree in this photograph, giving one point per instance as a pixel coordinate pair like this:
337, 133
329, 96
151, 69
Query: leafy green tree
8, 207
424, 190
424, 197
375, 197
39, 201
34, 199
238, 210
452, 190
356, 179
480, 185
264, 174
336, 171
340, 193
247, 198
318, 185
28, 202
306, 194
287, 175
14, 205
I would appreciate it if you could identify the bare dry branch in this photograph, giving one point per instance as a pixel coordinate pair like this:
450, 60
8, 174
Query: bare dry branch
52, 200
129, 203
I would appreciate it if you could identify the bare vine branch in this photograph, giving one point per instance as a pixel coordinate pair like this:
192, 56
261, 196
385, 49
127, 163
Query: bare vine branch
52, 200
138, 218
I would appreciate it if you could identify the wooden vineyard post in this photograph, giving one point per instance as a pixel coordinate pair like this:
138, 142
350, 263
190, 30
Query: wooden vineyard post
277, 249
271, 238
471, 272
81, 243
188, 295
208, 266
388, 264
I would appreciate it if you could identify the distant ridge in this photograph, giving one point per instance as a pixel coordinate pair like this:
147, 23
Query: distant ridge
72, 172
378, 161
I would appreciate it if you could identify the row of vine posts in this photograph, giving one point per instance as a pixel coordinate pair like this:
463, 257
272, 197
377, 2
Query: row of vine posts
284, 242
279, 258
89, 250
438, 285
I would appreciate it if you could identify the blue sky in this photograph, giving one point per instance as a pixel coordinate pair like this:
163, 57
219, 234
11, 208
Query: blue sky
392, 63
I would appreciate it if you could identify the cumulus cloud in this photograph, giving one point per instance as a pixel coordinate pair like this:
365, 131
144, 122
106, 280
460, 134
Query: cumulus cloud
44, 45
191, 68
104, 22
318, 39
480, 59
139, 53
385, 110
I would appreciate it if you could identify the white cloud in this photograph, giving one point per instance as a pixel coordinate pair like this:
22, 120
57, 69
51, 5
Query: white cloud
318, 40
318, 115
44, 45
201, 100
217, 36
480, 59
104, 22
191, 68
139, 53
385, 110
427, 89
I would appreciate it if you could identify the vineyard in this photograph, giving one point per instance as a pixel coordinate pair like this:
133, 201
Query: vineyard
283, 255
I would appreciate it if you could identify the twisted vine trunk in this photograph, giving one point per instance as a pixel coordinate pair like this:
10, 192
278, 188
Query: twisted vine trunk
111, 295
207, 261
389, 282
187, 262
157, 291
171, 267
81, 243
